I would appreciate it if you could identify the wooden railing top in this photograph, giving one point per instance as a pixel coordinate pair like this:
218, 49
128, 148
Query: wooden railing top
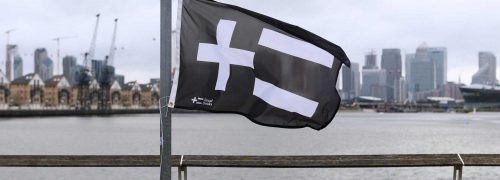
83, 161
326, 161
335, 161
481, 159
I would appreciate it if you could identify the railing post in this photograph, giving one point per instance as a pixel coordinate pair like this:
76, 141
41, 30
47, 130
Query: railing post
185, 173
179, 173
457, 172
454, 173
460, 173
182, 172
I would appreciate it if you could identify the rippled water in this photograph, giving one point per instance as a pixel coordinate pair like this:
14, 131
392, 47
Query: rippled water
221, 134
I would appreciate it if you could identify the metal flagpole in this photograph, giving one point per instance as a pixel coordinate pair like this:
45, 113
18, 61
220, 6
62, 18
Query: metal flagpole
165, 87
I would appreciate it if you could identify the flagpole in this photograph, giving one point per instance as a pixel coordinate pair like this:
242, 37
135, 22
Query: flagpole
165, 87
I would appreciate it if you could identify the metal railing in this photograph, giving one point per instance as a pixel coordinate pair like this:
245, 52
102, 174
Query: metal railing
182, 162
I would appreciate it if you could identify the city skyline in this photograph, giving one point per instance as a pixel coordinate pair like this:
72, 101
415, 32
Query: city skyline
356, 26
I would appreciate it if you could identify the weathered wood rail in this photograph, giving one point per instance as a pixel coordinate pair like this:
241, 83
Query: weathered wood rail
457, 161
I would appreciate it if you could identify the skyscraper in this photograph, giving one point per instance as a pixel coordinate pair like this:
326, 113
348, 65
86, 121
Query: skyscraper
39, 56
97, 68
18, 66
374, 79
423, 69
400, 92
440, 57
392, 64
374, 83
47, 69
370, 61
351, 81
69, 69
409, 58
11, 51
487, 73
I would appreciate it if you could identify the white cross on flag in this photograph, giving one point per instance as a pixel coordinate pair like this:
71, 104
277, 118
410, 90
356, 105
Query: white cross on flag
233, 60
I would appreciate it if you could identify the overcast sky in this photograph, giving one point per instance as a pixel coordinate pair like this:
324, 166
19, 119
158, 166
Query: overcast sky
465, 27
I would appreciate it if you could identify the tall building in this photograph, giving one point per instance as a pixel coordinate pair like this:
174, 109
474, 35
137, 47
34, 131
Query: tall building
374, 79
47, 69
18, 66
374, 83
400, 92
69, 69
427, 71
10, 53
351, 81
39, 56
487, 73
80, 74
439, 56
97, 68
409, 58
392, 64
370, 61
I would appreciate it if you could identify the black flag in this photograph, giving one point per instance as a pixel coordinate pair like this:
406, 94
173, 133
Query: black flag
234, 60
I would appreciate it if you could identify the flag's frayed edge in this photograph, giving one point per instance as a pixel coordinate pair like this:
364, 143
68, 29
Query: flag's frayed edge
176, 66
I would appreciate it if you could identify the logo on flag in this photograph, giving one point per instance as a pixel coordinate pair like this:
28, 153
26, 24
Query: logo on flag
242, 62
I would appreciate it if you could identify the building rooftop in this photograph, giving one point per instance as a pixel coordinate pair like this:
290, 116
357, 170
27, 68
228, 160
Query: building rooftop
54, 80
26, 79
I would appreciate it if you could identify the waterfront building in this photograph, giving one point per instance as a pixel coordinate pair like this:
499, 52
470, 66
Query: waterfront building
47, 69
27, 91
115, 91
57, 92
39, 55
18, 66
487, 73
131, 94
351, 81
94, 88
69, 69
393, 66
374, 83
451, 89
423, 95
4, 90
149, 94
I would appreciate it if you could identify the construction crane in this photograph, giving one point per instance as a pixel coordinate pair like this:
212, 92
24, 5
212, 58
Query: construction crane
58, 40
84, 76
91, 52
112, 49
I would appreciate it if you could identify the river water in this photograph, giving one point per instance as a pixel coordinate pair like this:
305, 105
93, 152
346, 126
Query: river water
225, 134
